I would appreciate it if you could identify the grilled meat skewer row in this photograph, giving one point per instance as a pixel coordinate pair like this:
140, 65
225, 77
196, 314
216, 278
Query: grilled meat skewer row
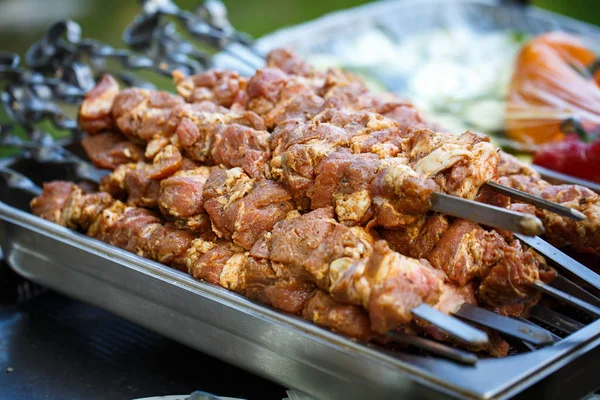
241, 209
582, 235
385, 283
351, 92
140, 231
404, 185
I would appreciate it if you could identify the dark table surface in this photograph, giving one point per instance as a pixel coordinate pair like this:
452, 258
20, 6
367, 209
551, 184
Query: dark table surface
53, 347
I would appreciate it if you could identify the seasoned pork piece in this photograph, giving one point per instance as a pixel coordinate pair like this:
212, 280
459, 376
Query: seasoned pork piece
460, 165
344, 181
298, 153
511, 165
50, 204
181, 194
500, 270
347, 319
95, 111
108, 150
400, 195
143, 114
225, 88
345, 262
419, 239
241, 208
563, 231
560, 231
277, 96
466, 251
346, 91
287, 61
509, 281
228, 139
525, 183
132, 183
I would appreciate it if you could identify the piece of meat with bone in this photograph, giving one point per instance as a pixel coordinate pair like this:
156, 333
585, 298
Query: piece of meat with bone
242, 208
108, 150
560, 231
95, 110
222, 87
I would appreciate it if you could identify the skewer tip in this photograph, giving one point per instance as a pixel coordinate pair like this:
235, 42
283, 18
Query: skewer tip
578, 215
531, 225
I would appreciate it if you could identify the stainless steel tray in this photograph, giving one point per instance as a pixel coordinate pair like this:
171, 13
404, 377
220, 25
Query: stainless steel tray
279, 347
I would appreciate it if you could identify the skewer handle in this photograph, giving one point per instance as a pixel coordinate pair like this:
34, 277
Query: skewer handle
453, 326
562, 260
486, 214
567, 298
544, 204
527, 332
439, 349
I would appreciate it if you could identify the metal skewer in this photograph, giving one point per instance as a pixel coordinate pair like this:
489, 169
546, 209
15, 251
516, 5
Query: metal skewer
562, 260
452, 326
567, 298
563, 179
527, 332
555, 337
555, 320
486, 214
434, 347
562, 283
536, 201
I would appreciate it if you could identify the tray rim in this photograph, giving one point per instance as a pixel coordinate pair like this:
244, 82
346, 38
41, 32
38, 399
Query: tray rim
376, 9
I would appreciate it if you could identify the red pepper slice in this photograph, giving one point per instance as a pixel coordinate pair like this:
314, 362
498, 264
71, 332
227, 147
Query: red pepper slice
572, 156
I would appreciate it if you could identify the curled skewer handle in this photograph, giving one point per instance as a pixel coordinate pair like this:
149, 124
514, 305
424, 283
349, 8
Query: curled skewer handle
16, 180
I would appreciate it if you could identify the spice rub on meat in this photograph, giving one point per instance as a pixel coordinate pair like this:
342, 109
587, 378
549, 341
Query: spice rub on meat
281, 186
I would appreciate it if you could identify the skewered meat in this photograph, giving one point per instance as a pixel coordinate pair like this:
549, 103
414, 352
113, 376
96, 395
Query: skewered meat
560, 231
425, 161
225, 88
108, 150
502, 270
382, 281
242, 208
95, 111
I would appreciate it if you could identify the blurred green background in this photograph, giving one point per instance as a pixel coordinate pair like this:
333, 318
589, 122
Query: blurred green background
23, 21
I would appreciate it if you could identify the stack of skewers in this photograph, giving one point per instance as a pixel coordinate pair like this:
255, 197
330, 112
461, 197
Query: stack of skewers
305, 191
